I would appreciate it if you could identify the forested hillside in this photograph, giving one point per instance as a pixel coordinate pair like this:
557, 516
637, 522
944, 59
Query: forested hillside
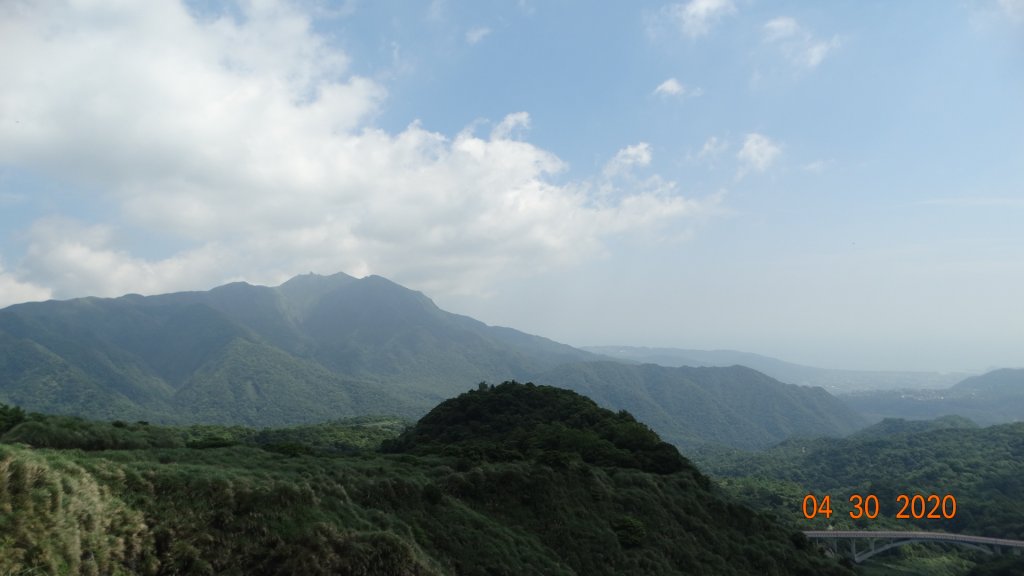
512, 479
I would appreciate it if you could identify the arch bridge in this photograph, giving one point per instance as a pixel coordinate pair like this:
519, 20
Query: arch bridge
893, 538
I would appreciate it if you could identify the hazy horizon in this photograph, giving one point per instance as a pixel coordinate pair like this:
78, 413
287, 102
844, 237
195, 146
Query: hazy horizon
838, 186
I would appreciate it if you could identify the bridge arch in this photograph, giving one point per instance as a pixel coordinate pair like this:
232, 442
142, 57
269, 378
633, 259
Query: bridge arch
899, 538
858, 558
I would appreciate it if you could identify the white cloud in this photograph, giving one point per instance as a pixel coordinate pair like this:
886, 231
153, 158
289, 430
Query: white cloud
436, 10
758, 153
673, 87
1013, 8
817, 166
780, 29
509, 125
713, 148
627, 158
670, 87
15, 291
696, 17
247, 141
475, 35
797, 44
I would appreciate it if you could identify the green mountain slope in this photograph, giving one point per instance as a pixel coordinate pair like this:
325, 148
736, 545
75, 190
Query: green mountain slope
733, 406
252, 383
357, 338
35, 377
576, 498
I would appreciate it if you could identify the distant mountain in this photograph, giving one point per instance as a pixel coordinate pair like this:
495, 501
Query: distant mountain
893, 426
835, 381
734, 406
324, 347
993, 398
1006, 382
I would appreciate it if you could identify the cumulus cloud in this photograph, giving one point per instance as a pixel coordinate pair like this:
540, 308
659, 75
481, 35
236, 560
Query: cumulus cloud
797, 44
696, 17
14, 291
673, 87
248, 143
66, 254
510, 126
757, 154
475, 35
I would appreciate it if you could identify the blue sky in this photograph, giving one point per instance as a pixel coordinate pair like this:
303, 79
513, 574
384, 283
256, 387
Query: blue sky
838, 184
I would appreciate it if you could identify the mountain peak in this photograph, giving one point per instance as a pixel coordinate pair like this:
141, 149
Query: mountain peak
312, 278
304, 291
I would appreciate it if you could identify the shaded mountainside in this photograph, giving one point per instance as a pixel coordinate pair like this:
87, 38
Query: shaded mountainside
733, 406
552, 485
833, 380
992, 398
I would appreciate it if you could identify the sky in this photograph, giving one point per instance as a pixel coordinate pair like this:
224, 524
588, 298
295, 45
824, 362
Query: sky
837, 184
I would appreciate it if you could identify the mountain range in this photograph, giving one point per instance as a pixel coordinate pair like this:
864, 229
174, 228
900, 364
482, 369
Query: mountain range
834, 380
318, 348
995, 397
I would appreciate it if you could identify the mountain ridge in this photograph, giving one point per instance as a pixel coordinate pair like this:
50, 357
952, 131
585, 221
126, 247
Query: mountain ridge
833, 380
994, 397
321, 347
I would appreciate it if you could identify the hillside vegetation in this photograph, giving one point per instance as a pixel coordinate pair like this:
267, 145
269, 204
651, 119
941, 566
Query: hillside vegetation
552, 485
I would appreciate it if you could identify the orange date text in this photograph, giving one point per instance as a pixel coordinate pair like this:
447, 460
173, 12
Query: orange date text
908, 506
